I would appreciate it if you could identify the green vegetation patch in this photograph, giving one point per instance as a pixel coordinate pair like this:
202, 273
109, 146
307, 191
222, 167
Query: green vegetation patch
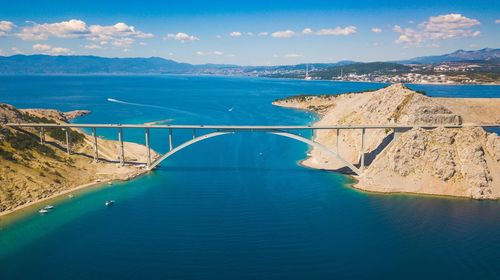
57, 133
25, 143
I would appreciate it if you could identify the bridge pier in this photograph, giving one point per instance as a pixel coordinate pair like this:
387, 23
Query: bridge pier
148, 148
122, 151
362, 150
68, 149
96, 151
42, 135
170, 139
337, 144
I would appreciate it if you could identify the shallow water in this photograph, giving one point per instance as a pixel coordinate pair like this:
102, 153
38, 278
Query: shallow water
236, 206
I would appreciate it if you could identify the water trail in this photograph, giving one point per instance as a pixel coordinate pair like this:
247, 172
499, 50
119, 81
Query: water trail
154, 106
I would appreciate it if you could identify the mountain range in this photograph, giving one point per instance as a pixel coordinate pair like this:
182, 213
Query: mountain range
76, 64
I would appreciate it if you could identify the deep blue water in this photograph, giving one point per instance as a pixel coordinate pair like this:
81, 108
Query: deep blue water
237, 206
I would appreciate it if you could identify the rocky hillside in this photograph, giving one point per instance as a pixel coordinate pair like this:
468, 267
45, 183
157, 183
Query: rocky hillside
459, 162
30, 171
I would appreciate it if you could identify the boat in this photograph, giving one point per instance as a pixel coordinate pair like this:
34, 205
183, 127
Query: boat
43, 211
109, 202
48, 207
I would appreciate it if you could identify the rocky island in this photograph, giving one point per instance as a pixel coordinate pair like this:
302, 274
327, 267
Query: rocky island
462, 162
31, 172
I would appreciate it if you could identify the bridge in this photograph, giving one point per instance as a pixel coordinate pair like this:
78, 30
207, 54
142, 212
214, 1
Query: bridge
204, 132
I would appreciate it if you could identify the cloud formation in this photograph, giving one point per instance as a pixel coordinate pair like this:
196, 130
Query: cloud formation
235, 34
292, 55
119, 34
440, 27
283, 34
47, 49
337, 31
183, 37
6, 27
376, 30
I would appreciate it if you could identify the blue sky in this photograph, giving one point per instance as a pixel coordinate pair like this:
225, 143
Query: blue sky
249, 32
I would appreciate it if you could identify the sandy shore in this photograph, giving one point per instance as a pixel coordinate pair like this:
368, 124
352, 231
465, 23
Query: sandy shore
458, 162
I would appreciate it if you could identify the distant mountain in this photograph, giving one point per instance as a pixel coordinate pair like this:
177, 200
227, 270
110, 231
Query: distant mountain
46, 64
486, 55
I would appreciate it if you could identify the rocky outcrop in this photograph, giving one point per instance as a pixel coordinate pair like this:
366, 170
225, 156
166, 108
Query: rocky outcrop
75, 114
444, 161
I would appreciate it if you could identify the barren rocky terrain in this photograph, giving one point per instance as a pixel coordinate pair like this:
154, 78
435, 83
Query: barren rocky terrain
31, 171
444, 161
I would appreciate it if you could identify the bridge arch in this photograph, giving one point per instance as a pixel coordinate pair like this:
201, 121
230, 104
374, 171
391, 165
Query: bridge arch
275, 132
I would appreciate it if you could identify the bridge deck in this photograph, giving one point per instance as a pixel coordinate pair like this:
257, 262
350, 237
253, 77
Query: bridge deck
244, 127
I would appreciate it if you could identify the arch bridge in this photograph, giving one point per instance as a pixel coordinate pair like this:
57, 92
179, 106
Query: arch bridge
204, 132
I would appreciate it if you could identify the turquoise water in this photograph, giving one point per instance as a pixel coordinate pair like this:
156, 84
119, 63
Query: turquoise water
237, 206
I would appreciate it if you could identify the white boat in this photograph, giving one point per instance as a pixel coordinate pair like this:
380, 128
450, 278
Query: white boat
43, 211
109, 202
48, 207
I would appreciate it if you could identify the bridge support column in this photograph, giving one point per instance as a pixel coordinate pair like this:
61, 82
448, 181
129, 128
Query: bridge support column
42, 135
171, 145
68, 148
362, 151
96, 151
122, 152
338, 135
148, 148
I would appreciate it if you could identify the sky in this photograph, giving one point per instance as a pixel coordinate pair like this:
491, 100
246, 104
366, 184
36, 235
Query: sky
249, 32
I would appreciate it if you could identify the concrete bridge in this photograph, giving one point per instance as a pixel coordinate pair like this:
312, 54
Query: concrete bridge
204, 132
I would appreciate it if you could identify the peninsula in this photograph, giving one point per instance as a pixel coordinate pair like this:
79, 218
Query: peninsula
462, 162
31, 172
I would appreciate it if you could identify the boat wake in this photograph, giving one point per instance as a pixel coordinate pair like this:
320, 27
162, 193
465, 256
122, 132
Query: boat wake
153, 106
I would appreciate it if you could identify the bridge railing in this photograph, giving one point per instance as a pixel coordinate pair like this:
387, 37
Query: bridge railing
216, 130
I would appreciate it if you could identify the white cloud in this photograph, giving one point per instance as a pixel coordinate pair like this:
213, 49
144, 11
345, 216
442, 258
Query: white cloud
42, 47
6, 27
143, 43
183, 37
74, 28
123, 42
497, 21
214, 53
337, 31
376, 30
283, 34
292, 55
263, 33
16, 50
235, 34
92, 47
307, 31
440, 27
60, 51
47, 49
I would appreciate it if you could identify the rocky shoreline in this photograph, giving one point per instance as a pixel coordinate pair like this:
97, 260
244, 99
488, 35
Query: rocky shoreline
455, 162
31, 172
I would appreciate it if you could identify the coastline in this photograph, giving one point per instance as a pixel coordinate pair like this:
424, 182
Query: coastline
58, 196
473, 175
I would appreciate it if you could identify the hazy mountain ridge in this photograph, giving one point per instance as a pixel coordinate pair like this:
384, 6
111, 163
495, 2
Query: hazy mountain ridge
486, 54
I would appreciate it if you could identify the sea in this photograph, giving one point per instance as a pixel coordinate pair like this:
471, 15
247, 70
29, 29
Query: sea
238, 206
